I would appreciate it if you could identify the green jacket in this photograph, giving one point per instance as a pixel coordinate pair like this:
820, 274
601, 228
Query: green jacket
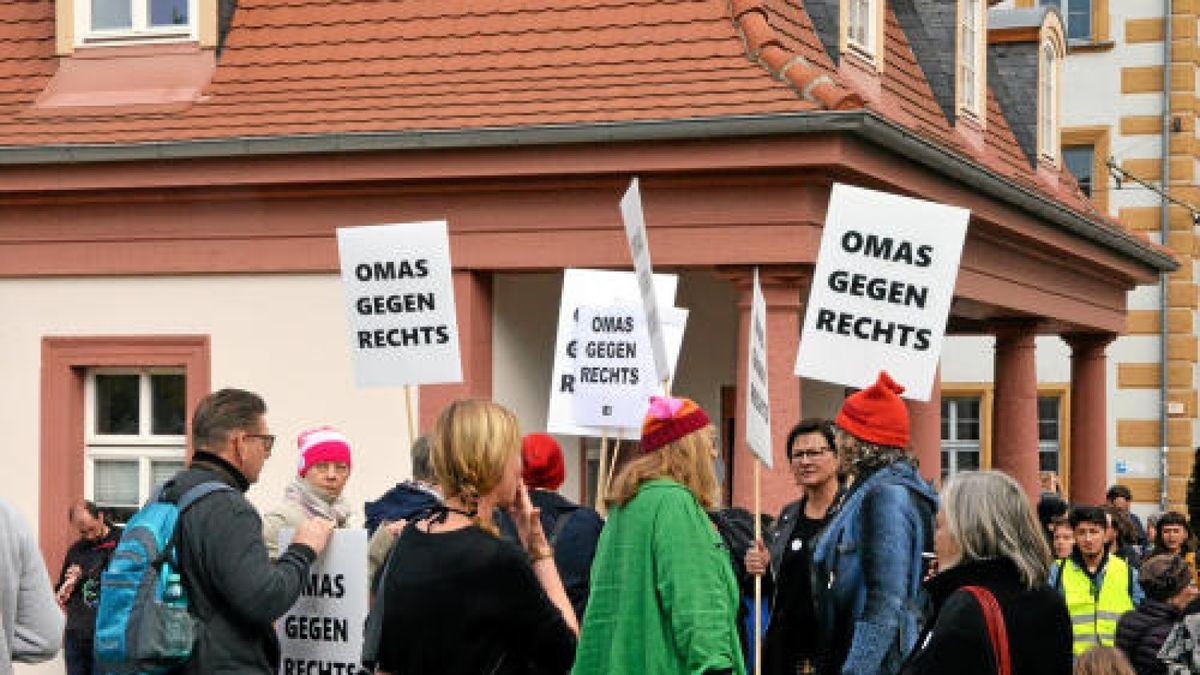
664, 599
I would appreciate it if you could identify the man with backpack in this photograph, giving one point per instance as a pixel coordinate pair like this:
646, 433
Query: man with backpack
235, 590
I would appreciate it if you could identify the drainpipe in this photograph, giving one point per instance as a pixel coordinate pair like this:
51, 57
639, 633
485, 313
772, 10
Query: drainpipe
1165, 225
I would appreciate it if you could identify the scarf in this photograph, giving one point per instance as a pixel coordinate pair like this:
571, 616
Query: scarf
317, 503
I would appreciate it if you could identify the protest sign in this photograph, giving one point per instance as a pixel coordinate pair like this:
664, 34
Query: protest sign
323, 631
639, 249
596, 288
400, 299
881, 290
758, 408
614, 370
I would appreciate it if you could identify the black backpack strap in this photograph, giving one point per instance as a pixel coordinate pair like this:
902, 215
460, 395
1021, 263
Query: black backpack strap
183, 503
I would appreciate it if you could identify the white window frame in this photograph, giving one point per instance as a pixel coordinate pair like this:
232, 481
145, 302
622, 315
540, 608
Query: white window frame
1054, 446
953, 446
144, 447
862, 16
1047, 112
141, 32
970, 72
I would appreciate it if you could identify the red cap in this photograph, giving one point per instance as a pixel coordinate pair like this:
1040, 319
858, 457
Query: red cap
542, 462
877, 414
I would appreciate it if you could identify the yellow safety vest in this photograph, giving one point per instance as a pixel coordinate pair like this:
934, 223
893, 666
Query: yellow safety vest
1094, 614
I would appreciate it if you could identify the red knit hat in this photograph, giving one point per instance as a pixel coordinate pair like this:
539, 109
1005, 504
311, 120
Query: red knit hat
877, 414
542, 462
670, 419
323, 444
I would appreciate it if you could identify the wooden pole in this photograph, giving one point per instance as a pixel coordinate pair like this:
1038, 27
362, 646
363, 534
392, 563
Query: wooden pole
612, 465
408, 413
757, 577
601, 479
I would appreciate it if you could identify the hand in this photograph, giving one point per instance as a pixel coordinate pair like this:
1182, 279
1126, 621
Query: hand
396, 527
314, 533
528, 520
758, 558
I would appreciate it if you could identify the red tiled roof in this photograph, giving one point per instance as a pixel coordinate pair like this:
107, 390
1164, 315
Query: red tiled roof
292, 67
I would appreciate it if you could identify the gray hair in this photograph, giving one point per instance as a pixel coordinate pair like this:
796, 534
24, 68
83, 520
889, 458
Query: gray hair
421, 468
988, 514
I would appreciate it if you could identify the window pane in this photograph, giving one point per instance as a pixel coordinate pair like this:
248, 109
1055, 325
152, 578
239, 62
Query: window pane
115, 483
168, 12
112, 14
1079, 160
1079, 20
968, 419
167, 403
1048, 461
161, 471
117, 404
968, 461
1048, 418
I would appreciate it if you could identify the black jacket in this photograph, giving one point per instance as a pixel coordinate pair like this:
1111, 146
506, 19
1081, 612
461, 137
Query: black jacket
235, 590
955, 639
402, 502
1142, 632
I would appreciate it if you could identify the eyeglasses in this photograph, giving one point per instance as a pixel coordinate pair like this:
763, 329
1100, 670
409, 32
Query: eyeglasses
809, 454
267, 439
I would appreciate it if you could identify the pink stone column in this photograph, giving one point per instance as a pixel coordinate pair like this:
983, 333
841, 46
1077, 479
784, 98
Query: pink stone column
473, 307
925, 431
782, 292
1089, 418
1014, 416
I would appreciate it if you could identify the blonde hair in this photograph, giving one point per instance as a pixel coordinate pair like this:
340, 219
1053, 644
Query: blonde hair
988, 514
687, 460
471, 444
1103, 661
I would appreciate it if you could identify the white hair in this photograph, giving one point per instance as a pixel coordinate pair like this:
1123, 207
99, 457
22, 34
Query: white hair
988, 514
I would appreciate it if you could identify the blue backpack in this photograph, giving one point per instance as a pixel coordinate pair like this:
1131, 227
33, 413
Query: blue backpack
142, 625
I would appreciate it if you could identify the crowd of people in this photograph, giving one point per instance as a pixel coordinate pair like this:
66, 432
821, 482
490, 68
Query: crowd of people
869, 570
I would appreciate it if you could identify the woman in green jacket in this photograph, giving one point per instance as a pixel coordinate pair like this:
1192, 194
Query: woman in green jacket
663, 598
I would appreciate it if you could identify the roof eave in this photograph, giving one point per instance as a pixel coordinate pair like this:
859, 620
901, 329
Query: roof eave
866, 124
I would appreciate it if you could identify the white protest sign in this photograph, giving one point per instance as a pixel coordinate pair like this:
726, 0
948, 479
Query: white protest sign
323, 631
594, 288
881, 290
614, 370
639, 249
400, 298
758, 408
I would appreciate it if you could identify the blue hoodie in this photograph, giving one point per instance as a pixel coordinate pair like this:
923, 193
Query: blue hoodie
401, 502
867, 570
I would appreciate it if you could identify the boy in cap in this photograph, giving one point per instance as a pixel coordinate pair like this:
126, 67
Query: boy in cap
867, 564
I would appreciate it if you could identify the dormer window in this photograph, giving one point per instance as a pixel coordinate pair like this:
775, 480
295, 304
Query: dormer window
1047, 115
862, 25
124, 21
970, 57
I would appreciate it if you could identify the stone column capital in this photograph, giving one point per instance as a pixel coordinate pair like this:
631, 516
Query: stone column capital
1013, 329
783, 286
1084, 344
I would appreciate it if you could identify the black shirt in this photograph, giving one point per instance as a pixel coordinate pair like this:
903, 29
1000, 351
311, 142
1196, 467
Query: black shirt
792, 631
92, 557
466, 602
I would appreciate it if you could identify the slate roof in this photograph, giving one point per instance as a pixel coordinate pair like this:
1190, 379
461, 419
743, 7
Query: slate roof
298, 68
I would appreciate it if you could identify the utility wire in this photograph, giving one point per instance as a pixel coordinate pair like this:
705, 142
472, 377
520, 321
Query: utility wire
1120, 174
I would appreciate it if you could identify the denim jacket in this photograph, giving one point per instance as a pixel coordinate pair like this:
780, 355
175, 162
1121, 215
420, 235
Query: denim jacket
867, 570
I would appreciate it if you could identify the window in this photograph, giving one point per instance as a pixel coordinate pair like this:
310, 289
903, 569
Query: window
1049, 433
1047, 113
134, 434
860, 24
1080, 161
1077, 14
961, 435
970, 28
107, 21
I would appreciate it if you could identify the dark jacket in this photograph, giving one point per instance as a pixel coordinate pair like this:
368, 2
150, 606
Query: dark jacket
92, 557
1142, 632
955, 638
401, 502
235, 590
867, 569
573, 539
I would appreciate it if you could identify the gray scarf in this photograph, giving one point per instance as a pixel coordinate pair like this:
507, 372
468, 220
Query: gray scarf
315, 502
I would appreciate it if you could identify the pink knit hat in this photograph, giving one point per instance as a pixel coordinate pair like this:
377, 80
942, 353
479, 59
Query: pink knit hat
322, 444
